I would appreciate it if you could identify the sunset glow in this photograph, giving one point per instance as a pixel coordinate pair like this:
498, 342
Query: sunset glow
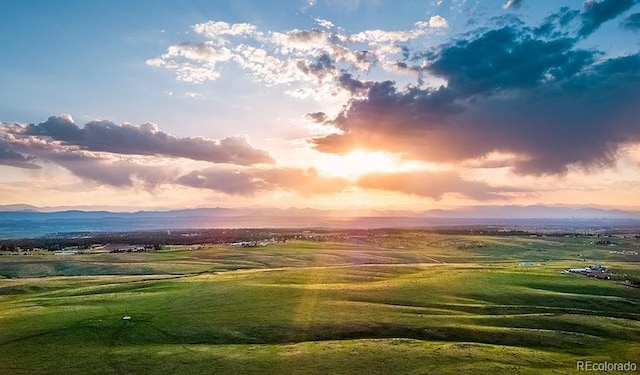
316, 103
319, 186
358, 163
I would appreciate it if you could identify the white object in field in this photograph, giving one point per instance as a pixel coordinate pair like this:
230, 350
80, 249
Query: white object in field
126, 318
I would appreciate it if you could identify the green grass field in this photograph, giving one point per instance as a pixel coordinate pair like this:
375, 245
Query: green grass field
411, 303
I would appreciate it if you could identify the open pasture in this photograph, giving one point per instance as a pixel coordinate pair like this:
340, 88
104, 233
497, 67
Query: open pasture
406, 303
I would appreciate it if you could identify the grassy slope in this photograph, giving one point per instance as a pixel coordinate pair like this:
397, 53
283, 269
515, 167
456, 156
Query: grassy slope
318, 308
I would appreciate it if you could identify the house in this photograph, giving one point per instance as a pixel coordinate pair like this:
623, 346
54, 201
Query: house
597, 270
577, 270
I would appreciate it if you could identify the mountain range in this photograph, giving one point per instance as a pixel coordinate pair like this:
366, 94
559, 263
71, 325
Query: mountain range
24, 211
29, 221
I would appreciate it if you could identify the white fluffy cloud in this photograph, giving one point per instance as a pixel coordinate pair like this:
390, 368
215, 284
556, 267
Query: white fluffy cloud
324, 23
216, 30
438, 22
310, 61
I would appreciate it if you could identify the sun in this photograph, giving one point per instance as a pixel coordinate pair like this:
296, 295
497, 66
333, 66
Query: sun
357, 163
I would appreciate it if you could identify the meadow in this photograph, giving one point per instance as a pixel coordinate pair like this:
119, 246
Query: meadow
410, 302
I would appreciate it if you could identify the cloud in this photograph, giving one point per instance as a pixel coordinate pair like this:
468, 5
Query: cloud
123, 170
389, 37
118, 173
104, 169
232, 182
515, 4
324, 23
309, 62
206, 52
312, 63
438, 22
632, 22
218, 30
555, 103
512, 58
318, 117
352, 85
432, 185
15, 159
179, 57
250, 181
538, 97
596, 13
145, 139
561, 24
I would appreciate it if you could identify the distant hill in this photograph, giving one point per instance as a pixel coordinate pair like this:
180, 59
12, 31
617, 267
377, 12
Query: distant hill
534, 212
29, 221
19, 207
23, 211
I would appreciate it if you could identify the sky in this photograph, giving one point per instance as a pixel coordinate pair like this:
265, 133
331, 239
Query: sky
412, 105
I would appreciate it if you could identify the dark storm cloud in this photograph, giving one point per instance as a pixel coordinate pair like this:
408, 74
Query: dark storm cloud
252, 181
598, 12
632, 22
512, 89
557, 24
506, 59
432, 185
354, 86
145, 139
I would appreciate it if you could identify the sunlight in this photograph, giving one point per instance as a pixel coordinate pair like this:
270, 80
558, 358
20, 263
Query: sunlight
358, 163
